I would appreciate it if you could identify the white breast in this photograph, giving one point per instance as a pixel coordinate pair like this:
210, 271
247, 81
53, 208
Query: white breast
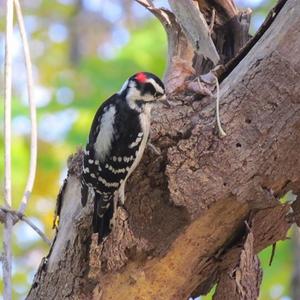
105, 136
145, 124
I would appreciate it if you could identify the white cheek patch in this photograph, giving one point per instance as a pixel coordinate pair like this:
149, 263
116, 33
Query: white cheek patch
105, 136
157, 87
135, 94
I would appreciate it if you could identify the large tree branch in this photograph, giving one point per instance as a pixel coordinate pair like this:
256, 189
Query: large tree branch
195, 27
185, 230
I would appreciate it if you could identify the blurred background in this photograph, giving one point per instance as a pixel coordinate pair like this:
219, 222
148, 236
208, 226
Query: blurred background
82, 52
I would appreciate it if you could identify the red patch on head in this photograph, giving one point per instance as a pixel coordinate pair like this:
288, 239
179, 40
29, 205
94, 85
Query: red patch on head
141, 77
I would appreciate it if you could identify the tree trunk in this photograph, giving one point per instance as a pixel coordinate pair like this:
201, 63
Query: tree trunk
199, 213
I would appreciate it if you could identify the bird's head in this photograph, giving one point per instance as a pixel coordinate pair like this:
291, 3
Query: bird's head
142, 89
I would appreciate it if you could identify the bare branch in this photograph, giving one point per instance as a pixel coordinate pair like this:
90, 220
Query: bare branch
7, 253
15, 216
33, 147
7, 257
195, 27
7, 102
36, 229
161, 14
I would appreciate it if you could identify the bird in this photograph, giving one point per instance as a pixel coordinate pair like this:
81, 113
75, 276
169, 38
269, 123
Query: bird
117, 139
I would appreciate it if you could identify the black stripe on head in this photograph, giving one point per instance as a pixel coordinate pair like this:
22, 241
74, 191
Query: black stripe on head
148, 88
157, 79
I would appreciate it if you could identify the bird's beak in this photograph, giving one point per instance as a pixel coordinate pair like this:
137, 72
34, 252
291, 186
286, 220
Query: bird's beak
163, 97
164, 101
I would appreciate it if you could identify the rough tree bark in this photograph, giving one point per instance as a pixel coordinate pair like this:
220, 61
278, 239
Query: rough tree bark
199, 213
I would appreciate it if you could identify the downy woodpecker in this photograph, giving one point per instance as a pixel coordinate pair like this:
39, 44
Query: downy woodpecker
117, 140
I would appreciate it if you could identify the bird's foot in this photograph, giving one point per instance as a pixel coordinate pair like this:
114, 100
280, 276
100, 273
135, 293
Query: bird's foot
154, 149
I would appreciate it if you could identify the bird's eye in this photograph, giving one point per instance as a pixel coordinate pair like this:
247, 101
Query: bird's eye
157, 94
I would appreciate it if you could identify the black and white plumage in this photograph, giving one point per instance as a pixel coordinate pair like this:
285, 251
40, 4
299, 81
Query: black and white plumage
117, 140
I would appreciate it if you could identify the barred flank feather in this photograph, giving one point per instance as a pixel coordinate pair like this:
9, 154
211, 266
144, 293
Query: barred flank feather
103, 213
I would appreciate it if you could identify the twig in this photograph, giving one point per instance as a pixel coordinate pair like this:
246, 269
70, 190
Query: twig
7, 257
151, 3
36, 229
221, 131
33, 146
161, 14
272, 254
14, 214
7, 253
212, 21
146, 3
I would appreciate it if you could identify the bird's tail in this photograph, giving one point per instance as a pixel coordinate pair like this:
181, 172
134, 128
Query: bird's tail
103, 214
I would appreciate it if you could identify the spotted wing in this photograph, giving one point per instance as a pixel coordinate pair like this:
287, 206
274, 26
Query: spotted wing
112, 150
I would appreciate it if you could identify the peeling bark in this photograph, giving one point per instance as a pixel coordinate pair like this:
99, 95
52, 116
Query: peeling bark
230, 30
184, 226
243, 281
